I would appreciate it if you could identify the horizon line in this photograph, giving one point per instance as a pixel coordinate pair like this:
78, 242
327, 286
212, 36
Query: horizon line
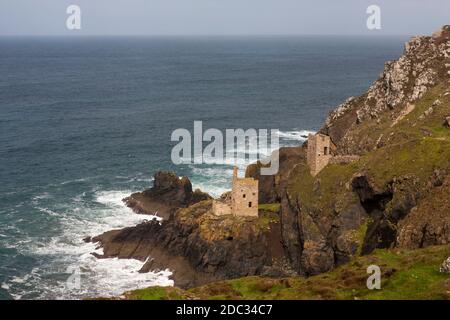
210, 35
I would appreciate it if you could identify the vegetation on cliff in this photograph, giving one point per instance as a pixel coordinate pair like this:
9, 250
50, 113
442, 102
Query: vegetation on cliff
406, 274
316, 235
396, 194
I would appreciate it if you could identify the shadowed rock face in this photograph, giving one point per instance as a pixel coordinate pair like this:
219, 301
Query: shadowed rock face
313, 243
427, 224
169, 192
271, 187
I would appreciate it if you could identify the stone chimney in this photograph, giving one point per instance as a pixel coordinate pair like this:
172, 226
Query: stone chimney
235, 172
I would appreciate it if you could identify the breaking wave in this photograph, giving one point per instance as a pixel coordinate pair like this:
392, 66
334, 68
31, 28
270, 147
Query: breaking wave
66, 255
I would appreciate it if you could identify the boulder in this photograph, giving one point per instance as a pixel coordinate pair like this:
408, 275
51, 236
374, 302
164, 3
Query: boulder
169, 193
445, 267
447, 122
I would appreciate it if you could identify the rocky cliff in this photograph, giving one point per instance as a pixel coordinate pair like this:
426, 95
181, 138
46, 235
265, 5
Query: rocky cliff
200, 247
424, 64
394, 196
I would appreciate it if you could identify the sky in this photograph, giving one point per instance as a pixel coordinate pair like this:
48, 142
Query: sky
222, 17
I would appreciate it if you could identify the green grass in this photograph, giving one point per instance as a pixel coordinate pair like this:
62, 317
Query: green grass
273, 207
405, 275
413, 147
328, 188
155, 293
419, 158
266, 218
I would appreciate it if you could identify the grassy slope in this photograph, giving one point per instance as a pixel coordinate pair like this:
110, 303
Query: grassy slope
405, 275
413, 146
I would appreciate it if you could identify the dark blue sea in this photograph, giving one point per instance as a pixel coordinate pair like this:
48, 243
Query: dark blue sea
86, 121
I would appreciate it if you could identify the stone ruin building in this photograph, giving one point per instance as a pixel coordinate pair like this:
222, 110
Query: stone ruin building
241, 201
319, 155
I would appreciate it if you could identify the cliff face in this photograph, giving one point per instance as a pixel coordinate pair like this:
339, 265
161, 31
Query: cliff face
200, 247
402, 83
395, 195
271, 187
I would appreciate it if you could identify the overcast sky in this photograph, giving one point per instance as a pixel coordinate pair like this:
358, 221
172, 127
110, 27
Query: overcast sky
221, 17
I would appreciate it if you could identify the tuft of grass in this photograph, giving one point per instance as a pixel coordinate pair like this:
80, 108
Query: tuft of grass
272, 207
418, 157
156, 293
329, 187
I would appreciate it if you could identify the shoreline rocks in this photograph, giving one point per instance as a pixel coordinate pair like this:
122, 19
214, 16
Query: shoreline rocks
199, 247
168, 194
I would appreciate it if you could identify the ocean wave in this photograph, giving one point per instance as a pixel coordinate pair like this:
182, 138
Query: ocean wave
213, 190
112, 198
74, 181
300, 135
44, 195
139, 177
212, 172
48, 211
215, 178
89, 214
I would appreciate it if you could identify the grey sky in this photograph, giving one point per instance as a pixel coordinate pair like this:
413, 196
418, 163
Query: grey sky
221, 17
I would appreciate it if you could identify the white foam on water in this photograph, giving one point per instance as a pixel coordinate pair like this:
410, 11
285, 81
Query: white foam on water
215, 178
214, 191
112, 198
48, 211
44, 195
93, 212
112, 277
212, 172
85, 216
75, 181
299, 135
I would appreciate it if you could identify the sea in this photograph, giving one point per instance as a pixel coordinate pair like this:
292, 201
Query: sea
86, 121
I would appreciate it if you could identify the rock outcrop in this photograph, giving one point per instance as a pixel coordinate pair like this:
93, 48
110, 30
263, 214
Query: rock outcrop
445, 267
200, 247
402, 82
169, 193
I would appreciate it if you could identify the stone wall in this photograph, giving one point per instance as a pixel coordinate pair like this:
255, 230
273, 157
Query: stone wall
241, 201
221, 208
244, 197
318, 155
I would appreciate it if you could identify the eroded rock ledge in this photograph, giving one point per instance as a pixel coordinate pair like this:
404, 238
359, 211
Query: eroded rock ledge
200, 247
169, 192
